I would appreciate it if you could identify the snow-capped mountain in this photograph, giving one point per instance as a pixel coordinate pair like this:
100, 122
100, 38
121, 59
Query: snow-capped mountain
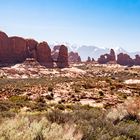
91, 51
94, 52
119, 50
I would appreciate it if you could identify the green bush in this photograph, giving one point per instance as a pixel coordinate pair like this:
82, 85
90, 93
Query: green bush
18, 99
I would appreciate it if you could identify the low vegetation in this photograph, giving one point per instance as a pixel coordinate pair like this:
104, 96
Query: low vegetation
95, 106
82, 122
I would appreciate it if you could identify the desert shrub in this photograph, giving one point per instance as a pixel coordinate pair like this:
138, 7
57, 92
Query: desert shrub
7, 114
5, 105
77, 89
129, 129
50, 88
121, 95
93, 123
119, 85
112, 88
133, 109
101, 93
18, 99
59, 117
88, 85
49, 96
108, 80
40, 99
60, 106
21, 127
81, 122
39, 107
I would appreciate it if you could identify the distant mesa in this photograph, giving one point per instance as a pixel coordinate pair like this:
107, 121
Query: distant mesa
16, 49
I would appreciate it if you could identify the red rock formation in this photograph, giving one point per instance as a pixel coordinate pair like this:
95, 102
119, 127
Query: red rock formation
107, 58
137, 60
31, 45
15, 50
12, 50
125, 59
62, 60
88, 59
93, 60
5, 49
102, 59
19, 50
74, 57
112, 55
43, 53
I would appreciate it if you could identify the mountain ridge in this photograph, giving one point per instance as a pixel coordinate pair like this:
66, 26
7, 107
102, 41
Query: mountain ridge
94, 51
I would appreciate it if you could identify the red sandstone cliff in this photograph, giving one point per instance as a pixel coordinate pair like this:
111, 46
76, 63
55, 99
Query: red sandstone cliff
43, 53
16, 49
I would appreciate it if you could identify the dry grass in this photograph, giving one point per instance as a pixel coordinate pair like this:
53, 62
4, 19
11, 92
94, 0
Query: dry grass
70, 123
25, 128
133, 109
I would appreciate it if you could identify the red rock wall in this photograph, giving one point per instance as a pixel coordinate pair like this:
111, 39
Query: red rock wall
5, 49
43, 53
15, 50
31, 46
19, 50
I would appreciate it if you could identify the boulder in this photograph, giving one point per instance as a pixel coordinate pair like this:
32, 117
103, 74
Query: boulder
43, 54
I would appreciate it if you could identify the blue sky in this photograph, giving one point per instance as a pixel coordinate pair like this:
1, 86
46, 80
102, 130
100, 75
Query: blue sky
103, 23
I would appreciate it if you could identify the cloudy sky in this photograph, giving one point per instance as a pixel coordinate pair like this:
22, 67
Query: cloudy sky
103, 23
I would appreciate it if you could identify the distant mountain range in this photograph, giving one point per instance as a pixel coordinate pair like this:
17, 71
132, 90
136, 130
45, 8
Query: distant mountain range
95, 52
